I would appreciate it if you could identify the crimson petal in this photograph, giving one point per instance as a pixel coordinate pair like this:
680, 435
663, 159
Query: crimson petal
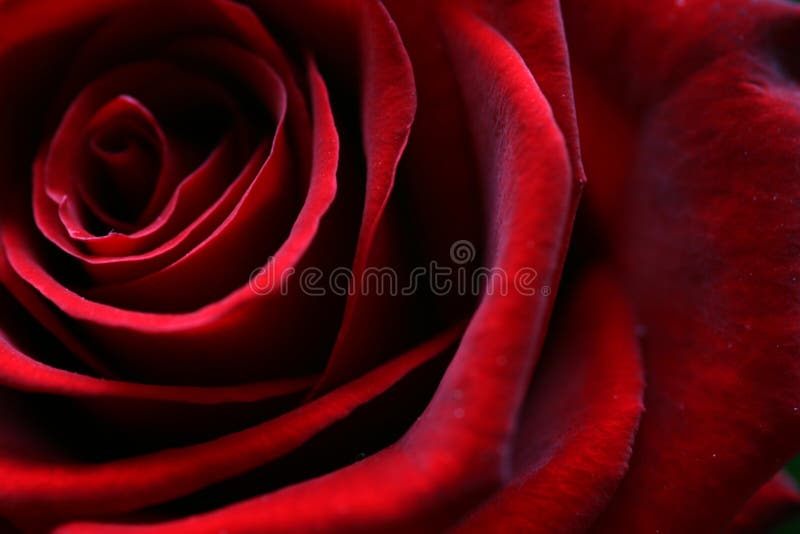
458, 451
579, 420
776, 501
65, 489
709, 246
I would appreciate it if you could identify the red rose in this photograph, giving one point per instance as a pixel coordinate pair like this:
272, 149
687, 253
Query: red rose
291, 266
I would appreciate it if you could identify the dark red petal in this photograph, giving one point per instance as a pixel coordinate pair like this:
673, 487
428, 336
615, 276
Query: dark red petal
119, 140
776, 501
579, 420
64, 174
266, 190
197, 341
709, 247
101, 419
201, 188
160, 247
439, 167
118, 41
388, 105
222, 59
50, 319
187, 283
459, 450
21, 372
34, 19
536, 29
28, 488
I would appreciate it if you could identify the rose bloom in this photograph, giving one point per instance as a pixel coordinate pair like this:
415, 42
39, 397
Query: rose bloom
289, 266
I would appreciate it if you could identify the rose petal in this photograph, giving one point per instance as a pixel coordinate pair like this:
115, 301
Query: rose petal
388, 105
272, 93
196, 340
19, 371
458, 451
579, 420
61, 168
776, 501
709, 246
30, 488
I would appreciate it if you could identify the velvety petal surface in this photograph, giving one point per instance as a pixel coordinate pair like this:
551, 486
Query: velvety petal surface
707, 235
32, 488
775, 502
579, 420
